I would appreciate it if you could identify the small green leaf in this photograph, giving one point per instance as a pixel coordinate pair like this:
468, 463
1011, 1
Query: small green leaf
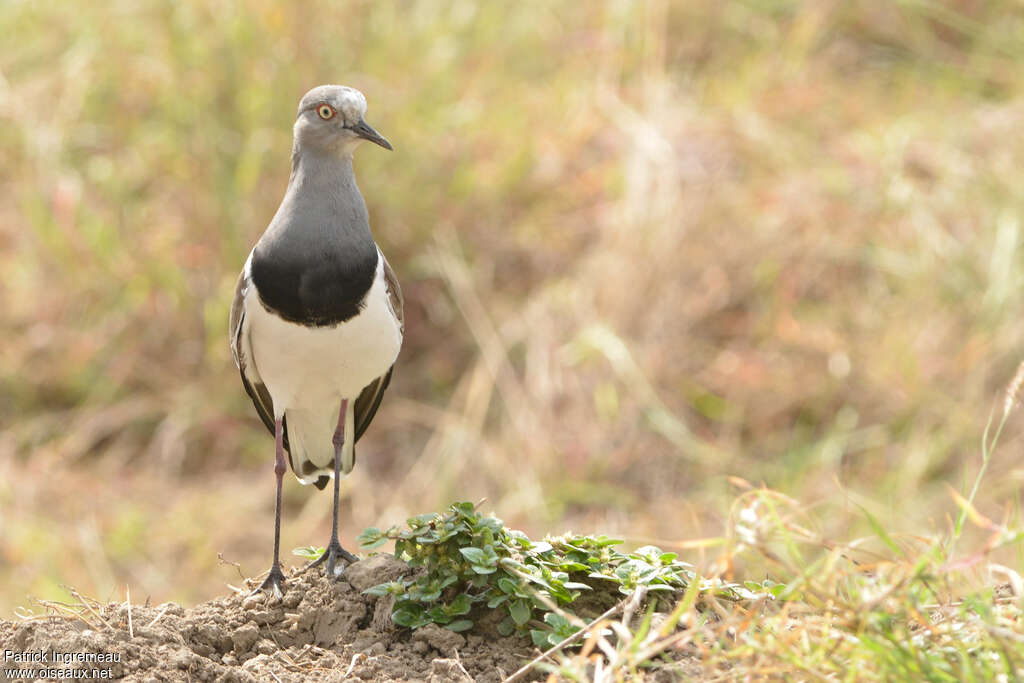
372, 538
389, 588
310, 552
425, 593
496, 600
492, 523
376, 543
519, 539
460, 605
540, 638
520, 611
409, 615
438, 614
474, 555
460, 625
561, 594
575, 585
603, 541
507, 627
571, 566
556, 620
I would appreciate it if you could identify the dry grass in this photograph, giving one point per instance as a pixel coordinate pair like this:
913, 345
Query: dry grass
645, 246
874, 609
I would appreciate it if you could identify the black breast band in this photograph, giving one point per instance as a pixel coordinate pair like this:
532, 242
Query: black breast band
324, 291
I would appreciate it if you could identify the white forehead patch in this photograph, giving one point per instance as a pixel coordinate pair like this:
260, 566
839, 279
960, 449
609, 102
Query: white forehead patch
349, 102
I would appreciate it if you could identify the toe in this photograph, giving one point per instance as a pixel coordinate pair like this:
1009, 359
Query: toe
273, 583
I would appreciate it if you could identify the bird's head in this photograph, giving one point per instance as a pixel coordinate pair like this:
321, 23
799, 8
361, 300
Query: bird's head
331, 120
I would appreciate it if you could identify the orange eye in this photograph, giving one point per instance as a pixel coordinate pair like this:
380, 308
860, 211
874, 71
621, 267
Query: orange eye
325, 111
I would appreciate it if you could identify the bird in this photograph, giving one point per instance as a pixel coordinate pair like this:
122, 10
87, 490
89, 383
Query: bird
317, 320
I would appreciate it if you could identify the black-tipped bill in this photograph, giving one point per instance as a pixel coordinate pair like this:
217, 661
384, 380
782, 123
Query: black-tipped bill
363, 130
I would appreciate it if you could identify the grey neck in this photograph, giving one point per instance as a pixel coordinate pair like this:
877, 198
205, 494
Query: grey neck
317, 259
325, 174
323, 195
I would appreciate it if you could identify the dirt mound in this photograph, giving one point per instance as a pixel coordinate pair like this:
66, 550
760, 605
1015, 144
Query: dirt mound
319, 631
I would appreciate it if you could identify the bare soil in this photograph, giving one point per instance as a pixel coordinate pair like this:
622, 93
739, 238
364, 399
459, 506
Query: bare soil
319, 631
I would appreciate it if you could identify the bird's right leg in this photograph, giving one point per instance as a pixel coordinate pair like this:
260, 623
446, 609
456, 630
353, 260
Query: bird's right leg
334, 551
275, 578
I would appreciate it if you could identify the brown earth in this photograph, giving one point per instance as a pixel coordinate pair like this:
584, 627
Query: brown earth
319, 631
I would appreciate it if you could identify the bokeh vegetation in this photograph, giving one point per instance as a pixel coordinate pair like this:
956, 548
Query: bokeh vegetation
645, 247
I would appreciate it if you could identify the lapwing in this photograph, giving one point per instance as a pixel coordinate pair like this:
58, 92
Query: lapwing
317, 323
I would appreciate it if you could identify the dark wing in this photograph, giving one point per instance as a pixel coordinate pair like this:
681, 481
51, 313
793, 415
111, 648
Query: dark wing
241, 349
369, 398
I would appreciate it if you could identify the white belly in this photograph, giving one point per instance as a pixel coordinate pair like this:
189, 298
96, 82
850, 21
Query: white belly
308, 367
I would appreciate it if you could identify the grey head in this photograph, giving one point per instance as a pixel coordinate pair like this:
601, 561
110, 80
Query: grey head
331, 120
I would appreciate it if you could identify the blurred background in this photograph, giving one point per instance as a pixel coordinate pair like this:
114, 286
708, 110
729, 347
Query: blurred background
646, 247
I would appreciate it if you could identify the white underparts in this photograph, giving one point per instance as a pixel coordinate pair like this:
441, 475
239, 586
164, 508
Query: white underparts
309, 370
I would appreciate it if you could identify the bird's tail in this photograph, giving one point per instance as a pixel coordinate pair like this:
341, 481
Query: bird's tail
311, 438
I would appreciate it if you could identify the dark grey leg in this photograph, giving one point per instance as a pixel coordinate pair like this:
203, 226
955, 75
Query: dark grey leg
275, 577
334, 550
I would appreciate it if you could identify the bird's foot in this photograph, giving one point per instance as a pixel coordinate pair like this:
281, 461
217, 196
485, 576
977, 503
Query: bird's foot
274, 582
332, 554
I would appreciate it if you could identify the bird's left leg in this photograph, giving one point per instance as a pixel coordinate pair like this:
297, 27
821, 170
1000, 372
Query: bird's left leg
334, 550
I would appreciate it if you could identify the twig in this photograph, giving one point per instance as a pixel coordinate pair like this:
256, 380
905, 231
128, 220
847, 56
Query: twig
157, 617
83, 601
128, 599
458, 660
662, 644
634, 601
355, 658
525, 669
960, 603
237, 566
304, 652
1004, 633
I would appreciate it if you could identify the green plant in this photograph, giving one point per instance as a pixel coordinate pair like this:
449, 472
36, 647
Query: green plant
470, 559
